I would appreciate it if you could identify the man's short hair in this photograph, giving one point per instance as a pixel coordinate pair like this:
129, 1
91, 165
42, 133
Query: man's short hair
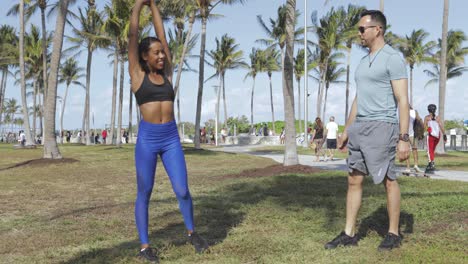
376, 16
332, 118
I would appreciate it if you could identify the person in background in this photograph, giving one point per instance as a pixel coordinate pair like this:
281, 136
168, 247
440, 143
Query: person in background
435, 129
331, 130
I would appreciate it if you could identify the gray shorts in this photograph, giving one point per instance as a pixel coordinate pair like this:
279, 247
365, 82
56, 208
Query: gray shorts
372, 148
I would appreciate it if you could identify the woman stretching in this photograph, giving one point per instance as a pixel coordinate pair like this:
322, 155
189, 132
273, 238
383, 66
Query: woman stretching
434, 130
151, 81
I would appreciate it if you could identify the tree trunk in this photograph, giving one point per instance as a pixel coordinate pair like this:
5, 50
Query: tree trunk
51, 150
299, 103
443, 72
182, 56
130, 106
322, 89
251, 106
44, 49
224, 100
325, 104
110, 137
200, 82
2, 92
181, 64
348, 63
27, 127
411, 86
218, 100
42, 108
88, 91
63, 108
34, 110
83, 124
290, 150
382, 6
118, 141
271, 102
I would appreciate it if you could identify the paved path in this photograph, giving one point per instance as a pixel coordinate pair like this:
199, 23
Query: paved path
336, 164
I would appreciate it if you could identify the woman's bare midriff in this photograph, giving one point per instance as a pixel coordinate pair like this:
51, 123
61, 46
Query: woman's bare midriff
158, 112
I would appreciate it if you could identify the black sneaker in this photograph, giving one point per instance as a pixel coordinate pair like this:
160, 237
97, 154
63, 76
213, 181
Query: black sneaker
342, 239
429, 168
390, 242
198, 242
148, 254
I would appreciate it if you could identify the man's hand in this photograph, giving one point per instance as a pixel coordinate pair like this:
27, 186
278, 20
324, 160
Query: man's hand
403, 149
343, 141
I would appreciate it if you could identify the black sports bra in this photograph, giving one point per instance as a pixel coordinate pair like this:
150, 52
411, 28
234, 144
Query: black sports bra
150, 92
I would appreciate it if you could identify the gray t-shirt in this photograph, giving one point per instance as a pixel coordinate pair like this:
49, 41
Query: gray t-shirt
375, 98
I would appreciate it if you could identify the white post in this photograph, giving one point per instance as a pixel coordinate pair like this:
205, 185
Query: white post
306, 141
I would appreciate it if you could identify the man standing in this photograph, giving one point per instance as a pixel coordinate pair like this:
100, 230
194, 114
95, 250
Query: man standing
331, 130
373, 129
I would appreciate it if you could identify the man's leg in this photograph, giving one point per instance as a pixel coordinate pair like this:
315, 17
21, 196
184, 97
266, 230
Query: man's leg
353, 203
353, 200
393, 204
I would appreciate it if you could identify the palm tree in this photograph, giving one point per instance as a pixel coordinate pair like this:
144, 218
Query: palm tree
8, 56
11, 108
29, 140
51, 150
270, 62
455, 58
290, 150
34, 65
299, 69
205, 8
91, 36
180, 11
180, 48
117, 25
30, 10
443, 71
333, 75
225, 57
416, 52
70, 73
453, 71
253, 70
351, 17
329, 34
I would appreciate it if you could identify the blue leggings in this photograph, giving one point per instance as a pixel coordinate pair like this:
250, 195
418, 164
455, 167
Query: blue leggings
162, 139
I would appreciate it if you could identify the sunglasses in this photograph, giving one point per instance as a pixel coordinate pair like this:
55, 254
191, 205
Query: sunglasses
363, 29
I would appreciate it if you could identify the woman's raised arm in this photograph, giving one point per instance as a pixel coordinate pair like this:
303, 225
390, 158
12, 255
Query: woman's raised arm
133, 57
160, 33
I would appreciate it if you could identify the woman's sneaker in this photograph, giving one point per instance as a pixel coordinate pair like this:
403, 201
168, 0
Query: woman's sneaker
198, 242
390, 242
149, 255
342, 239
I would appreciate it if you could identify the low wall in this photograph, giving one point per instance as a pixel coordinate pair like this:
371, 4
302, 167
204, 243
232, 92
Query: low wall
252, 140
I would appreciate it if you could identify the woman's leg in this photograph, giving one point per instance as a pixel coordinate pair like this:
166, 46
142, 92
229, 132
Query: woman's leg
173, 159
145, 162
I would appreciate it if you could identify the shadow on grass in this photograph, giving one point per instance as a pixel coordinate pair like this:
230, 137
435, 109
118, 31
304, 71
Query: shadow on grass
221, 210
378, 222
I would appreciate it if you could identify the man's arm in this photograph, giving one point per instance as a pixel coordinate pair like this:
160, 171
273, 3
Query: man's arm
343, 140
400, 90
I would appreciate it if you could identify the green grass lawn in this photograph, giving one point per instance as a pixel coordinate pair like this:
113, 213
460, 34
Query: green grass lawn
82, 212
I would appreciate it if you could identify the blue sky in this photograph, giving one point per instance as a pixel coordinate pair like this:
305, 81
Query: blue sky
240, 22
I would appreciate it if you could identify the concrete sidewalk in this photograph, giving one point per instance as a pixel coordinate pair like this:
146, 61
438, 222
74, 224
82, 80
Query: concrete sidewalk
336, 164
